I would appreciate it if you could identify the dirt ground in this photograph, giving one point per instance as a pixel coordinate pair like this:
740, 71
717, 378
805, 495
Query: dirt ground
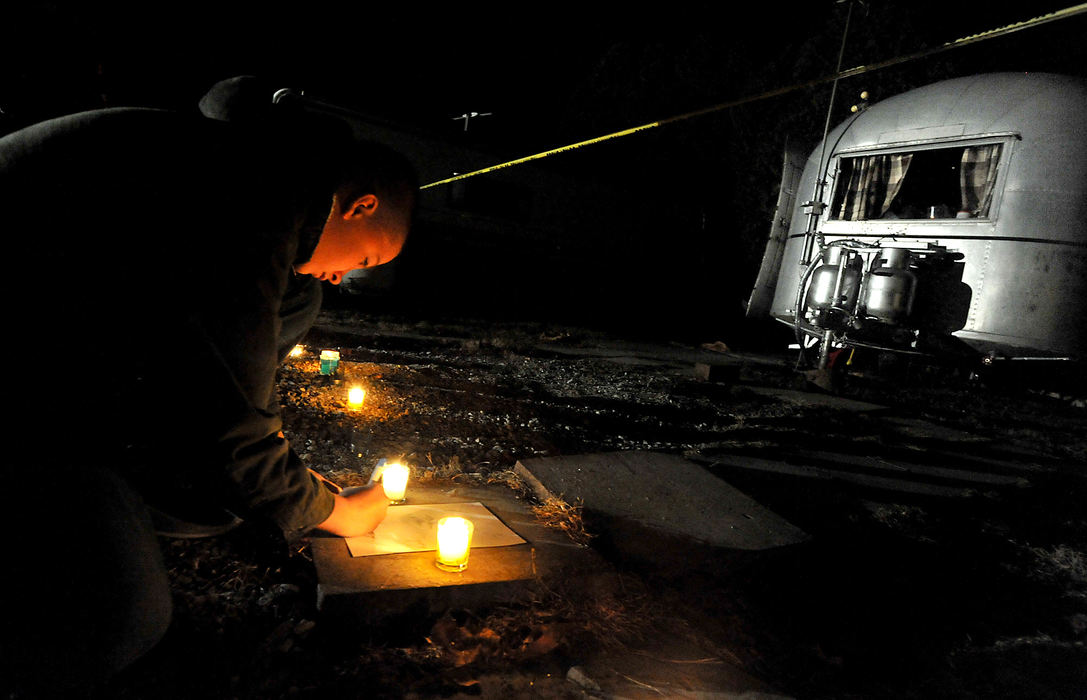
896, 594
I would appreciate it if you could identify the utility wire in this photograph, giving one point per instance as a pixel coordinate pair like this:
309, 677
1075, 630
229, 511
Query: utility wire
858, 70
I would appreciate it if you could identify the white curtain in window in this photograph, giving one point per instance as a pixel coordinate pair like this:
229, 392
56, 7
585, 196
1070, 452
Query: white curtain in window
977, 177
873, 183
897, 166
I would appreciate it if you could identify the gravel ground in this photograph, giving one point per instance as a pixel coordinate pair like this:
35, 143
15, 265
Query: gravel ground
896, 595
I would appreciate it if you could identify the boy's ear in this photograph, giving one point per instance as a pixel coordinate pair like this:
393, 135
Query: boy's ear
361, 206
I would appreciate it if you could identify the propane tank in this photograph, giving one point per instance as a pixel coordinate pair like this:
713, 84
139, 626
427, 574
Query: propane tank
824, 282
889, 291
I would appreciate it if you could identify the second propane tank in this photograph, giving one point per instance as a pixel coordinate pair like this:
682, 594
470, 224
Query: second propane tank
889, 289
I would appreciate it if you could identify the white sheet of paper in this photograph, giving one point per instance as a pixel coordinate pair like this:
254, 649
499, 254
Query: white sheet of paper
413, 528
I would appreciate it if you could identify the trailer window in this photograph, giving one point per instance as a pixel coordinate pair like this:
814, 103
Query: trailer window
937, 183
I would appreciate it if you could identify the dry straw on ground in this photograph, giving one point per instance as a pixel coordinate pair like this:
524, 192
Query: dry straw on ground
559, 514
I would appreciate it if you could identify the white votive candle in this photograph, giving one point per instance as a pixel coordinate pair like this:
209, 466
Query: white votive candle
454, 542
394, 479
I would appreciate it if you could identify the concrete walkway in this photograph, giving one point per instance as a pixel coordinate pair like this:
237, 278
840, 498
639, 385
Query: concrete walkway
663, 492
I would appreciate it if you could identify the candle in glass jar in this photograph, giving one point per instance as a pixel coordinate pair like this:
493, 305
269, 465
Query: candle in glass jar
330, 360
394, 479
355, 396
454, 542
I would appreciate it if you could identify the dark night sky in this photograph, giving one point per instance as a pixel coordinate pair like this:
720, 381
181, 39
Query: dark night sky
547, 71
551, 73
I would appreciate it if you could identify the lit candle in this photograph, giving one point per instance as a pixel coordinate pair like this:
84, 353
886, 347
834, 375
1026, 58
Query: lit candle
394, 479
330, 359
355, 396
454, 541
297, 350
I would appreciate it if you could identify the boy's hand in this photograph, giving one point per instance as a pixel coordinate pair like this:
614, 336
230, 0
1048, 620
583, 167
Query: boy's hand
356, 511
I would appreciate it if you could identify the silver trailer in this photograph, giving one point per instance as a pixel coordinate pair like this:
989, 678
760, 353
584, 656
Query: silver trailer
949, 219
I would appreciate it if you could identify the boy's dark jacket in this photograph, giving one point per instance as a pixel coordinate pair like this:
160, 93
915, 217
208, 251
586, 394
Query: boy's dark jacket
149, 254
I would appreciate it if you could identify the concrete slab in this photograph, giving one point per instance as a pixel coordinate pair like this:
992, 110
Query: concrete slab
666, 667
722, 373
950, 470
377, 590
918, 428
815, 400
663, 492
676, 355
960, 445
922, 488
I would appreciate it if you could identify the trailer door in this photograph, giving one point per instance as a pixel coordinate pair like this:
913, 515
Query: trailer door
762, 295
758, 306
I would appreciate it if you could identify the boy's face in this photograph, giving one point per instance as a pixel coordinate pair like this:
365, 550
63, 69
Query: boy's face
364, 235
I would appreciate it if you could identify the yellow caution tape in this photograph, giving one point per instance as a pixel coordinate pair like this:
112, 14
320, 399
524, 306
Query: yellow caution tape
858, 70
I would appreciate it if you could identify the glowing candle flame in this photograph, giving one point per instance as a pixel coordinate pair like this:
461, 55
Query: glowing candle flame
394, 479
355, 396
454, 542
297, 351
